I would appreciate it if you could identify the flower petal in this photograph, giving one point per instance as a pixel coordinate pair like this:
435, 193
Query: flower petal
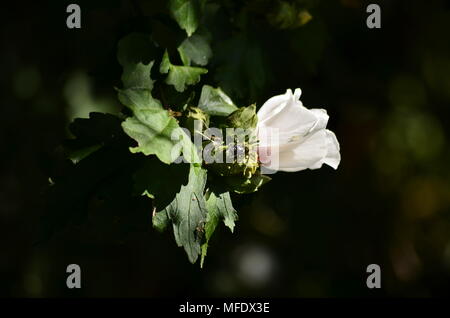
322, 119
305, 154
273, 106
333, 157
293, 120
297, 134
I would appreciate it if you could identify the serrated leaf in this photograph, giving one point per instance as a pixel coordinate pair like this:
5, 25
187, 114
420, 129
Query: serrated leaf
188, 213
244, 117
186, 13
137, 76
219, 208
215, 102
180, 76
135, 54
156, 132
159, 181
74, 187
196, 49
91, 134
160, 221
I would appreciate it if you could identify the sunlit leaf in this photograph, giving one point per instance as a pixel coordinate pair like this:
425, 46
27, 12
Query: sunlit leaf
244, 117
155, 131
219, 208
187, 212
186, 13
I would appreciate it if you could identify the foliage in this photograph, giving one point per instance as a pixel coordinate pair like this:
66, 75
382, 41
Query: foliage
162, 72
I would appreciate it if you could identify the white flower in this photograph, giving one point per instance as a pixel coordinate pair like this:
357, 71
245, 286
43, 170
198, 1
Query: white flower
302, 141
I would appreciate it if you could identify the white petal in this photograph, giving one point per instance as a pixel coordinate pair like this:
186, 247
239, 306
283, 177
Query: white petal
308, 153
273, 106
333, 157
322, 118
301, 140
293, 119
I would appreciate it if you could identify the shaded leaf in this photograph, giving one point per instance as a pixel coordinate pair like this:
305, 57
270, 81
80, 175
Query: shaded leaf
288, 16
137, 76
91, 134
159, 181
180, 76
196, 49
136, 54
215, 102
72, 190
242, 69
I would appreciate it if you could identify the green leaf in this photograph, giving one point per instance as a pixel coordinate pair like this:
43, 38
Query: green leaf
215, 102
219, 208
244, 117
137, 76
135, 48
74, 187
188, 213
288, 16
151, 126
195, 120
159, 181
136, 54
155, 131
160, 221
196, 49
180, 76
186, 13
242, 68
164, 68
91, 134
79, 154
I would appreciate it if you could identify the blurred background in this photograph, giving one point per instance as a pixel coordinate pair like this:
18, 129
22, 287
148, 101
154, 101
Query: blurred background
304, 234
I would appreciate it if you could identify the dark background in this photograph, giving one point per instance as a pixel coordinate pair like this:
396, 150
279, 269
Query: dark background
304, 234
